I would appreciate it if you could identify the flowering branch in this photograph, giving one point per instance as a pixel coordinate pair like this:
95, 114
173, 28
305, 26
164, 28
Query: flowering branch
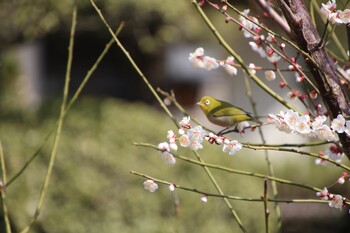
334, 36
239, 59
326, 78
234, 171
194, 190
298, 152
273, 54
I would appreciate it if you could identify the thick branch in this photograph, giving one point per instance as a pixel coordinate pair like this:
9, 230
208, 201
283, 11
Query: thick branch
306, 35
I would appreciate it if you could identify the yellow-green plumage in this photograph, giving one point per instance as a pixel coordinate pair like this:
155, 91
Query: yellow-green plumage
223, 113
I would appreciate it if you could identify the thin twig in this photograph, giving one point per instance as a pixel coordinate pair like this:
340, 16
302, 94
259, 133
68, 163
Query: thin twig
133, 63
194, 190
59, 125
307, 144
235, 171
69, 105
266, 208
267, 157
218, 188
3, 191
297, 152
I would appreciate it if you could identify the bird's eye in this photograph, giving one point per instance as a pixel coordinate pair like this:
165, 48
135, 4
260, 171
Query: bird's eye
207, 102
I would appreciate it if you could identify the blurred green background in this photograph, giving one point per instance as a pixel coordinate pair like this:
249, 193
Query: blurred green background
91, 189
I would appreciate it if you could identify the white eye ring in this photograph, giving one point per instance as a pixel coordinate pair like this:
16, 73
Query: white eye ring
207, 102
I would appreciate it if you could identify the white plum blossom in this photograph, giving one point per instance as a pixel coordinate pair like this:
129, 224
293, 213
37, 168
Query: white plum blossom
168, 158
344, 16
166, 155
167, 101
210, 63
291, 118
227, 65
341, 179
185, 141
242, 126
298, 77
150, 185
198, 60
184, 124
164, 146
324, 132
267, 52
279, 122
247, 24
338, 124
332, 153
318, 122
172, 187
337, 202
204, 198
322, 161
195, 145
270, 75
302, 124
272, 56
291, 122
196, 134
323, 194
172, 140
231, 147
258, 48
252, 67
334, 16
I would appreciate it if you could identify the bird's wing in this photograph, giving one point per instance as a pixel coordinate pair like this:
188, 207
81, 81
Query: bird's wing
229, 111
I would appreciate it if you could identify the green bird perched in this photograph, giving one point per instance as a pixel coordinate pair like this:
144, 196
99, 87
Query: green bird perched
223, 113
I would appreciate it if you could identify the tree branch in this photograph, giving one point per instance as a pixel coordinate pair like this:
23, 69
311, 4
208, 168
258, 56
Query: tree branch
306, 35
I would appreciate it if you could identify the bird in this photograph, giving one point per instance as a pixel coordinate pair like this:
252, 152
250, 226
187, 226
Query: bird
224, 114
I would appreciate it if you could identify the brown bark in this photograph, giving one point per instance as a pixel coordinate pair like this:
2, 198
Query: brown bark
324, 69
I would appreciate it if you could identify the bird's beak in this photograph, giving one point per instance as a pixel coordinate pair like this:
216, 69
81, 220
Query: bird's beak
198, 103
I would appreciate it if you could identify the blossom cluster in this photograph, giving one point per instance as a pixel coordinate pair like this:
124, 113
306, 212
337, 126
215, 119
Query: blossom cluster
334, 16
261, 44
193, 138
292, 122
337, 201
333, 153
199, 60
